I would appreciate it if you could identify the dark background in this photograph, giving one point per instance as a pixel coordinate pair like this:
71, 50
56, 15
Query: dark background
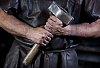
5, 43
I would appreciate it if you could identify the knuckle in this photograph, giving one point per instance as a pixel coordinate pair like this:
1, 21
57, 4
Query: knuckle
41, 41
49, 38
46, 32
52, 17
47, 41
44, 35
48, 19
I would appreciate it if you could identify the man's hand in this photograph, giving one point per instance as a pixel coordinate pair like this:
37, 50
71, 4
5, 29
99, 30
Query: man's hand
54, 25
39, 36
14, 26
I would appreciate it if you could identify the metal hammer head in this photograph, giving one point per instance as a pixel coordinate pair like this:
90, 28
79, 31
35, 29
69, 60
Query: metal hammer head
60, 13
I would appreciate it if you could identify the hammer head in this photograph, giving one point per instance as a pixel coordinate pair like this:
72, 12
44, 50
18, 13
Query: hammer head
60, 13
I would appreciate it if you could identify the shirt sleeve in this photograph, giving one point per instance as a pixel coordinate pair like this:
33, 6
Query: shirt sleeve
27, 11
12, 8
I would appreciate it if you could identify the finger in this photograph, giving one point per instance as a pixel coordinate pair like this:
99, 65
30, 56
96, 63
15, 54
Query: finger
47, 28
48, 39
50, 35
48, 32
42, 41
46, 42
53, 18
56, 20
51, 22
43, 44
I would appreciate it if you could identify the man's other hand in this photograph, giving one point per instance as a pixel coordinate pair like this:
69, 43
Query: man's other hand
54, 25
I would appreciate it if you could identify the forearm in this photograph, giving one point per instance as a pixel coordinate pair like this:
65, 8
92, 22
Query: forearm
13, 25
84, 30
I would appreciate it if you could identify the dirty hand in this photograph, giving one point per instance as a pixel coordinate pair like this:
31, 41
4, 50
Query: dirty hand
54, 25
39, 35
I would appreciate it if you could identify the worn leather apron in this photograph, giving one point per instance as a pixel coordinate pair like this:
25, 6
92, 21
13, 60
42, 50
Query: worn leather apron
60, 52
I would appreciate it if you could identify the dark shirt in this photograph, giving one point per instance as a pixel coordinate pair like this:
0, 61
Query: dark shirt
35, 13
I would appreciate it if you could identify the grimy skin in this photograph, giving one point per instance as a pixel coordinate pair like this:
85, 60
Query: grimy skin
14, 26
54, 25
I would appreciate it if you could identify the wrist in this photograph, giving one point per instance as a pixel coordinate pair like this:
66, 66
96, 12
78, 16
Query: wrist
67, 30
28, 33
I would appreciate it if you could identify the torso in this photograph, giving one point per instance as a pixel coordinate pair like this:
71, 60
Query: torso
35, 13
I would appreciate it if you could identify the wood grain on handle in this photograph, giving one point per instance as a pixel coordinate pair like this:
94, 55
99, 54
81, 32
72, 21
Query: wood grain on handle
31, 54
